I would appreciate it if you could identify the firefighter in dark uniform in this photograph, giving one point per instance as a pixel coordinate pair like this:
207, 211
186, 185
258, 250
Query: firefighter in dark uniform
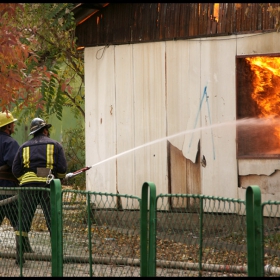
8, 149
35, 160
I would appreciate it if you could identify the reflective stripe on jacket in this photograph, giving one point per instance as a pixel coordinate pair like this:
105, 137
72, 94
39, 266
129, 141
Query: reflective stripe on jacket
40, 151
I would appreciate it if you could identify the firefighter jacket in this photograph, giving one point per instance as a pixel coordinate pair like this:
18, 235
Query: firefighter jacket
35, 154
8, 149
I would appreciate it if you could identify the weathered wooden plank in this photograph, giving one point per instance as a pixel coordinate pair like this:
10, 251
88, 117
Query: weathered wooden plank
192, 23
153, 22
200, 18
196, 15
146, 23
220, 18
176, 21
254, 24
170, 21
272, 19
264, 17
230, 18
214, 27
93, 36
209, 23
242, 18
162, 18
124, 31
124, 119
238, 17
218, 143
259, 17
100, 120
149, 112
98, 35
137, 16
224, 18
107, 28
157, 26
178, 176
183, 20
248, 13
193, 176
205, 11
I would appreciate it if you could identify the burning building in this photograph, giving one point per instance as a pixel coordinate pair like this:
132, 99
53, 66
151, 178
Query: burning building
183, 95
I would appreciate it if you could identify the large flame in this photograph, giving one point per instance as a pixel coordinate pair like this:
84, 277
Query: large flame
266, 88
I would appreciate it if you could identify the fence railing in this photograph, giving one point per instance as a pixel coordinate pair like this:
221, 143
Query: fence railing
106, 234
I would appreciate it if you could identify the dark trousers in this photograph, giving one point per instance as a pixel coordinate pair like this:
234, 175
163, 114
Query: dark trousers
30, 199
10, 211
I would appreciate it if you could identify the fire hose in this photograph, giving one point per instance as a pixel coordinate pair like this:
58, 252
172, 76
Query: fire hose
70, 175
49, 179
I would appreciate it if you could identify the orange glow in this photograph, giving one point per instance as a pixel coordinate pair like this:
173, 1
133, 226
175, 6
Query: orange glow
216, 11
266, 88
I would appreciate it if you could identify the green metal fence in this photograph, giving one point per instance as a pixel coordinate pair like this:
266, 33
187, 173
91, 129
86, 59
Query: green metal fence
200, 236
101, 234
106, 234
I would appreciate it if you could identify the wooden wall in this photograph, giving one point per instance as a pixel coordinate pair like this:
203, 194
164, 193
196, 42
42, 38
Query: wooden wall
124, 23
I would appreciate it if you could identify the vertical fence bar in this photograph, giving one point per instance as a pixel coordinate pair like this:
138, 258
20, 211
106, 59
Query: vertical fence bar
56, 228
200, 234
143, 232
89, 234
147, 231
20, 232
254, 231
152, 231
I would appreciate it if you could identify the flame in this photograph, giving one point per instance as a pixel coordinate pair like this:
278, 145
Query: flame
266, 88
216, 11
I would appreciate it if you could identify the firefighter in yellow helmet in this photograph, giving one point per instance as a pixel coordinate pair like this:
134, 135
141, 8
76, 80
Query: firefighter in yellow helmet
8, 149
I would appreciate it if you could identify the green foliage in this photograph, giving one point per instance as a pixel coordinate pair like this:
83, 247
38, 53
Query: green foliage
52, 25
74, 147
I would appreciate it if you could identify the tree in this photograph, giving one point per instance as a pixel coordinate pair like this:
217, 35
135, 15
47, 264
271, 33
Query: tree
53, 26
40, 61
20, 73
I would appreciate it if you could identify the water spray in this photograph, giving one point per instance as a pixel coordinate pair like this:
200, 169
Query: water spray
241, 122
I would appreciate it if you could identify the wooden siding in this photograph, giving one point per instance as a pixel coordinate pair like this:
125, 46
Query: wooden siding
125, 23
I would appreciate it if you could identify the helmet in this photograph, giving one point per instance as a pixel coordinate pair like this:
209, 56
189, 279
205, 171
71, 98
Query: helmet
37, 124
6, 118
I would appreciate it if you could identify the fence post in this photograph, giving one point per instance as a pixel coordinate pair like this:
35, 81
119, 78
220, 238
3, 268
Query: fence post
148, 231
89, 234
254, 231
56, 228
200, 234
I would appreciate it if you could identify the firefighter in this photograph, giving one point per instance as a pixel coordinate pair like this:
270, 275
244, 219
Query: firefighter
8, 149
35, 161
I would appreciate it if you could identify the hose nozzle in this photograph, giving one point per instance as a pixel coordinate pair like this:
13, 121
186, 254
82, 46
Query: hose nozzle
73, 174
69, 175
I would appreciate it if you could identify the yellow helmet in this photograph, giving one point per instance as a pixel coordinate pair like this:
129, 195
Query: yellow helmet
6, 118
